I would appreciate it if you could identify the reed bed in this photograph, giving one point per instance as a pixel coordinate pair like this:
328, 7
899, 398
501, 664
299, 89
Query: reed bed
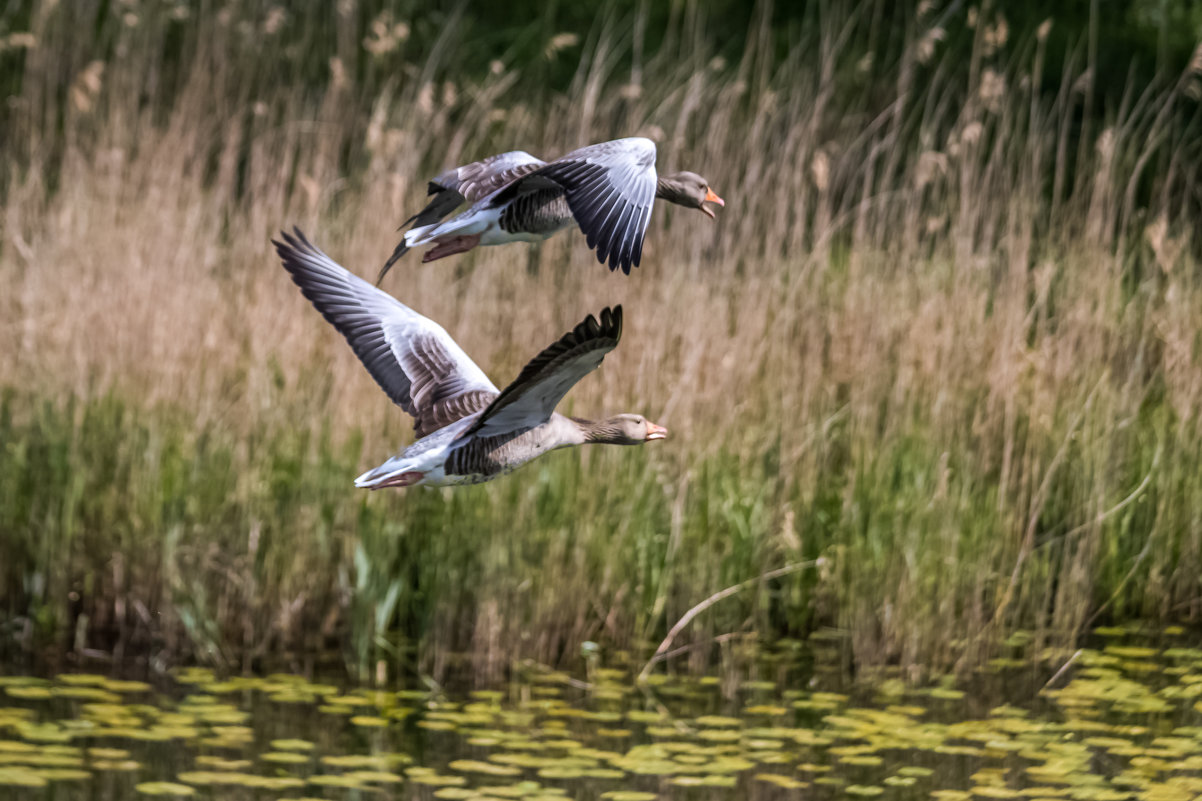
942, 343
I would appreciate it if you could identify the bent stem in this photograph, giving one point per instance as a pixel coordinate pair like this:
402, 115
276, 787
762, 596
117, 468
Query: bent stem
661, 652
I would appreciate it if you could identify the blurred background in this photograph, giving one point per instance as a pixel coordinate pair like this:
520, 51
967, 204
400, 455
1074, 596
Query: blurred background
938, 356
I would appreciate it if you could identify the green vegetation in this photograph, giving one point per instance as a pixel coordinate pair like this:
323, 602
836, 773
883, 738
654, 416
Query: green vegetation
942, 344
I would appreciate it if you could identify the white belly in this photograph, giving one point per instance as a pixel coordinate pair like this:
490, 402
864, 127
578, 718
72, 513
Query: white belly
495, 235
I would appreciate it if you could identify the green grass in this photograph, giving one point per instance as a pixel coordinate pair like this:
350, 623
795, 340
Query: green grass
236, 547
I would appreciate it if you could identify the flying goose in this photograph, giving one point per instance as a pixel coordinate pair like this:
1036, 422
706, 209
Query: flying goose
467, 430
607, 189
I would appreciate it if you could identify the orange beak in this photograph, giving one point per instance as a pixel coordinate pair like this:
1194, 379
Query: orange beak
655, 432
710, 197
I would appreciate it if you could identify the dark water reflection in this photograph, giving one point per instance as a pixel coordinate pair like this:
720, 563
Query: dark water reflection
1122, 721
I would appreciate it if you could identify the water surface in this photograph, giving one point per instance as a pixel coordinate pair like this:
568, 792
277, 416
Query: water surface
1122, 721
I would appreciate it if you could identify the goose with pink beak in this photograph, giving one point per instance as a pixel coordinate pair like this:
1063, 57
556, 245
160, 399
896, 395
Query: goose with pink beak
468, 431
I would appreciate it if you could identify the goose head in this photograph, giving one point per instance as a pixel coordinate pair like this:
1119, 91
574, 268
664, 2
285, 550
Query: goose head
688, 189
624, 429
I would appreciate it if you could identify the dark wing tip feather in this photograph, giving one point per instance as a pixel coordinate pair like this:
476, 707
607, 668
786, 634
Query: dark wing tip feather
293, 252
297, 253
291, 249
585, 332
608, 325
611, 321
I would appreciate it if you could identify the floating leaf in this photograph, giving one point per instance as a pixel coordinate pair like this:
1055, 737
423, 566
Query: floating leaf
718, 720
787, 782
28, 693
436, 725
165, 788
436, 780
108, 753
236, 779
369, 721
115, 686
488, 768
327, 780
292, 745
914, 770
20, 777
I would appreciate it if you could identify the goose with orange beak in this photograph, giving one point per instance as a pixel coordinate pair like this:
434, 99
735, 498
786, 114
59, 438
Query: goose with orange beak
607, 189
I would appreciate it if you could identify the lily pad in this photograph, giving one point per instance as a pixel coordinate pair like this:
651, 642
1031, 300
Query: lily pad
165, 788
292, 745
487, 768
19, 776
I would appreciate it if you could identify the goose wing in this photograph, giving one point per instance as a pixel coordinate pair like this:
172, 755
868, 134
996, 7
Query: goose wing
610, 188
468, 183
481, 178
411, 357
534, 394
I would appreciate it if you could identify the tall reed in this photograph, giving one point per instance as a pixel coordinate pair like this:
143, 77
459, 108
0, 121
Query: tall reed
942, 340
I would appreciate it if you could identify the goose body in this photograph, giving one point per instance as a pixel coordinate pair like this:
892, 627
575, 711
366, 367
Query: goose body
607, 189
446, 457
467, 430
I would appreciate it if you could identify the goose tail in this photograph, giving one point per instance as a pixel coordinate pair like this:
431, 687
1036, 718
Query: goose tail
472, 221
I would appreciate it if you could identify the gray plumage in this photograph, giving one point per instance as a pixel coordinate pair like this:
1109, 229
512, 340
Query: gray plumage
468, 431
543, 211
608, 189
465, 184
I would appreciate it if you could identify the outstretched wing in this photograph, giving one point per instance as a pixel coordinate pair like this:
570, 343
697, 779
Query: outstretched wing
468, 183
481, 178
412, 358
534, 394
610, 189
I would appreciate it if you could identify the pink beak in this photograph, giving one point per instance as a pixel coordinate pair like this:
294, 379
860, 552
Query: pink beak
655, 432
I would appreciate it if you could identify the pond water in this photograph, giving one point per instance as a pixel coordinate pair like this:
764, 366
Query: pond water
1123, 720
